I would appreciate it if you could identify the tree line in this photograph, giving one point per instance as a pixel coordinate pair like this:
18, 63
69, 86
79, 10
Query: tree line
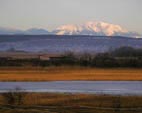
120, 57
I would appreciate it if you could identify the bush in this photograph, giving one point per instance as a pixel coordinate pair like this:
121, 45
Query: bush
14, 97
104, 60
85, 59
126, 52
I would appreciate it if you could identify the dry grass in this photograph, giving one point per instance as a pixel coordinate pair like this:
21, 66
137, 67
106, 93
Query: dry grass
24, 111
69, 73
71, 103
66, 99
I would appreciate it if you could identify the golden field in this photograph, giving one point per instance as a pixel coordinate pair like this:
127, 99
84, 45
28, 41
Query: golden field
68, 73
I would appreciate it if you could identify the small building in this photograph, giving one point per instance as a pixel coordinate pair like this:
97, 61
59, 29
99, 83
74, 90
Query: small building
49, 57
44, 57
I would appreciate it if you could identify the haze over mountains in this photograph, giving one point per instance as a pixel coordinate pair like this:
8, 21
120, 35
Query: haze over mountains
89, 28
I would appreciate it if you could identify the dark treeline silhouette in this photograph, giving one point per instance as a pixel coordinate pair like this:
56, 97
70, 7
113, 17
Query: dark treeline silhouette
120, 57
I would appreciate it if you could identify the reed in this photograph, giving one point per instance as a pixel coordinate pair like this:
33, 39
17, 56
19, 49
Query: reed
76, 103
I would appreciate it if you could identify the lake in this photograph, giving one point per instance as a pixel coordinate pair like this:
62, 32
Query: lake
92, 87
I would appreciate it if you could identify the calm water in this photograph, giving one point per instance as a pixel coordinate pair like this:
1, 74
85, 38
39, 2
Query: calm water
103, 87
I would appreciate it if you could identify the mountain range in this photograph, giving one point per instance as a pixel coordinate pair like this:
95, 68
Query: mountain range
88, 28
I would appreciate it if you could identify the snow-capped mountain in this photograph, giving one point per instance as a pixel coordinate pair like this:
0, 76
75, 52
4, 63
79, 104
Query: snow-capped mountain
89, 28
95, 28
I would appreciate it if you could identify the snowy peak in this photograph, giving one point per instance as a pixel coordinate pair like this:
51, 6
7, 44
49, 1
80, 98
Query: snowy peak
88, 28
106, 28
94, 28
68, 29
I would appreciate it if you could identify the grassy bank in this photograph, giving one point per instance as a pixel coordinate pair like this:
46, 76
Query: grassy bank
68, 73
74, 103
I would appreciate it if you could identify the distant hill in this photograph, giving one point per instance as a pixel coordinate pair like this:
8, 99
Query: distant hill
32, 31
9, 31
63, 43
35, 31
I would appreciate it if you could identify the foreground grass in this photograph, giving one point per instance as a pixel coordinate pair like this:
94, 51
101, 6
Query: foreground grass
23, 111
75, 103
68, 73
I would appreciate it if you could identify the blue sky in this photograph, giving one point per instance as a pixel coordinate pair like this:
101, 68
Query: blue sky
49, 14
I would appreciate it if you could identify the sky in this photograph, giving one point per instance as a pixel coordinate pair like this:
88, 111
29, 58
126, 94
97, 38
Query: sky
49, 14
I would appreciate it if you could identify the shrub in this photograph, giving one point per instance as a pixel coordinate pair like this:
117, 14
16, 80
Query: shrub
104, 60
14, 97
